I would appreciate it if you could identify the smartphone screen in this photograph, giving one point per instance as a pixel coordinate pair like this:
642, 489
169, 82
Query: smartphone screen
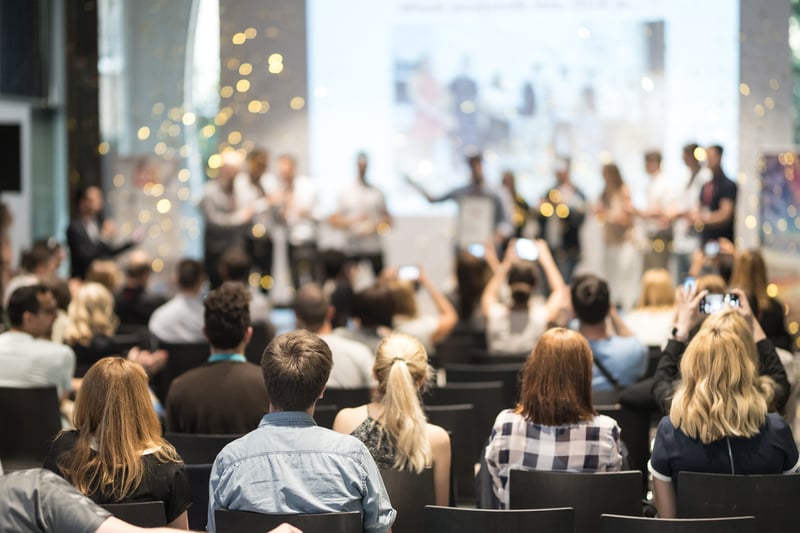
713, 303
711, 249
409, 272
476, 249
689, 284
526, 249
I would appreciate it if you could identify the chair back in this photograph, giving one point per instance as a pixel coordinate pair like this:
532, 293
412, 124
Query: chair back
182, 357
263, 333
508, 373
324, 415
198, 449
29, 419
409, 493
636, 524
591, 495
487, 397
462, 520
458, 421
346, 397
141, 514
635, 433
772, 499
199, 476
247, 522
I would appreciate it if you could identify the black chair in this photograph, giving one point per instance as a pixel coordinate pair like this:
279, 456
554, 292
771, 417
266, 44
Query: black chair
589, 494
484, 358
142, 514
409, 493
508, 373
324, 415
634, 524
198, 449
182, 357
346, 397
29, 419
247, 522
458, 421
605, 397
772, 499
198, 475
635, 427
462, 520
263, 333
487, 397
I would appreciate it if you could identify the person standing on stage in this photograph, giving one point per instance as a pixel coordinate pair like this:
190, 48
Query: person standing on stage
250, 188
225, 219
362, 213
717, 201
685, 237
662, 199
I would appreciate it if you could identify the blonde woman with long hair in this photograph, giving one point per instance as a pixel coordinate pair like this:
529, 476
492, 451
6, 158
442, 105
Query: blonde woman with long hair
92, 324
393, 426
719, 421
654, 314
116, 453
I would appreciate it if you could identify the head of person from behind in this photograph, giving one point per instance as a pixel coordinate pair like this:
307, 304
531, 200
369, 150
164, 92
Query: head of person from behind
296, 367
721, 393
404, 297
657, 289
522, 282
475, 164
591, 299
32, 309
226, 315
89, 201
556, 380
91, 314
116, 424
402, 370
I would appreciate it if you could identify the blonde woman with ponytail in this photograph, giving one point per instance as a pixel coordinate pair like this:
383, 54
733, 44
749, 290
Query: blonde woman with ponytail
393, 426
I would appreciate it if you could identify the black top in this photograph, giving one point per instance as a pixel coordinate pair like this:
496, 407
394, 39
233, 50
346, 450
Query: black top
133, 306
774, 326
571, 225
165, 482
83, 249
99, 347
377, 441
711, 195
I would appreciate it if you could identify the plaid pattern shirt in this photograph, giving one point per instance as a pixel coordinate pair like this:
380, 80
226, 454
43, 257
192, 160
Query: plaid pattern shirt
515, 443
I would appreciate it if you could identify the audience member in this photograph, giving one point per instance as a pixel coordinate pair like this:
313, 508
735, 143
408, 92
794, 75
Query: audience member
688, 318
373, 309
430, 329
654, 315
106, 272
281, 466
340, 275
134, 303
226, 395
554, 427
89, 235
514, 327
36, 263
61, 292
393, 426
719, 421
92, 324
235, 266
27, 358
352, 360
181, 318
619, 357
472, 275
116, 453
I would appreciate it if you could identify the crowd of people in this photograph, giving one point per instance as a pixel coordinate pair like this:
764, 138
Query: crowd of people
720, 378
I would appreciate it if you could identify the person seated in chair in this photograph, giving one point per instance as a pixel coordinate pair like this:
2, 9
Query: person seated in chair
181, 318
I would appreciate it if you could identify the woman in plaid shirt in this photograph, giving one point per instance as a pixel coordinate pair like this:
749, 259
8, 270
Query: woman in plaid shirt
554, 426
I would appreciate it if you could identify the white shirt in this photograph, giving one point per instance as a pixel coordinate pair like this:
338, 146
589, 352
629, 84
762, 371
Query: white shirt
422, 328
367, 206
303, 213
505, 336
662, 194
179, 320
247, 193
29, 362
352, 363
686, 239
652, 327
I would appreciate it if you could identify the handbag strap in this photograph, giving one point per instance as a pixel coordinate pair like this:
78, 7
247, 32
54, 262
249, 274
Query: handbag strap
603, 370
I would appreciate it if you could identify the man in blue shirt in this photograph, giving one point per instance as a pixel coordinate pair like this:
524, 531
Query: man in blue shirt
614, 347
289, 464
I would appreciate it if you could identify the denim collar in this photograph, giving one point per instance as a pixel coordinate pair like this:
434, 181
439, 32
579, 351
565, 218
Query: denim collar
288, 418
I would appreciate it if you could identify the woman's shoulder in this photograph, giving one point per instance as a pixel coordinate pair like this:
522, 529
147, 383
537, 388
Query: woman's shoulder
437, 434
603, 422
349, 418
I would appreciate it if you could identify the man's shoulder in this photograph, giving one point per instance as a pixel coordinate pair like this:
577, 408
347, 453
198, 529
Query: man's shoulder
26, 343
341, 343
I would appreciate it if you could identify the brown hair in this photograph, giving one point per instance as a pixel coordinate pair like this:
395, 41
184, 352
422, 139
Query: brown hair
116, 424
106, 273
556, 380
750, 274
405, 302
657, 289
296, 367
226, 312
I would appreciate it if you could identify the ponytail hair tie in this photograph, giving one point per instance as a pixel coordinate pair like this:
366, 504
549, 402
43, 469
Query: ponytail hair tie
398, 358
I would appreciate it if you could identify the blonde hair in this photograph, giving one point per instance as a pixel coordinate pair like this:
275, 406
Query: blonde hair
721, 393
106, 273
711, 283
91, 313
657, 289
401, 367
405, 303
116, 423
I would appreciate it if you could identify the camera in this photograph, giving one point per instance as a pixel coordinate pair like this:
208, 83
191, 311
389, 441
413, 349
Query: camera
713, 303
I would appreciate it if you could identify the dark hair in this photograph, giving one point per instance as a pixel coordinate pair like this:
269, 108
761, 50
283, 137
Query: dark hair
296, 367
234, 265
190, 273
472, 274
257, 152
521, 281
60, 289
24, 299
689, 149
473, 159
81, 193
590, 298
718, 148
311, 306
333, 263
652, 156
138, 269
374, 306
227, 315
36, 256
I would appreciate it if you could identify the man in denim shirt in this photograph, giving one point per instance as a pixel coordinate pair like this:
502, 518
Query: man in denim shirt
289, 464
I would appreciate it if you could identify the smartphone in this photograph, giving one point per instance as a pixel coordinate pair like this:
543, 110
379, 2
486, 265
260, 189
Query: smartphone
408, 272
526, 249
711, 249
713, 303
689, 284
476, 249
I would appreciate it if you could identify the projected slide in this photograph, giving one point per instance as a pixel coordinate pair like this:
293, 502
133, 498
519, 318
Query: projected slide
780, 198
420, 84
